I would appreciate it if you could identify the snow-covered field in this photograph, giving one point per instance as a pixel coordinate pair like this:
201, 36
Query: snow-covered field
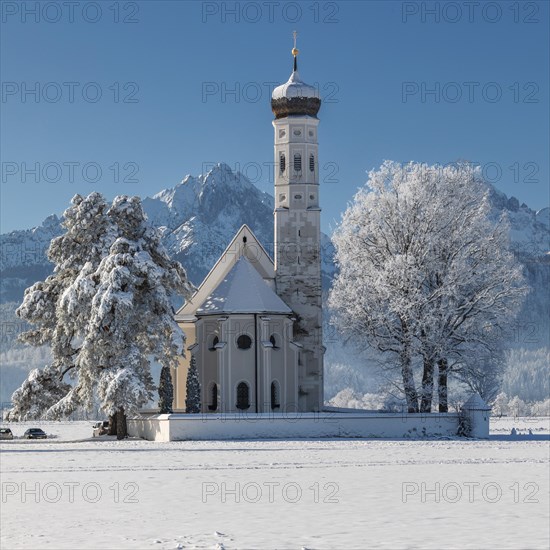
74, 492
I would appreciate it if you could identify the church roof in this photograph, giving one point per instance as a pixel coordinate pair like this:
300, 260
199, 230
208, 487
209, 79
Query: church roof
244, 243
243, 290
294, 87
295, 97
476, 403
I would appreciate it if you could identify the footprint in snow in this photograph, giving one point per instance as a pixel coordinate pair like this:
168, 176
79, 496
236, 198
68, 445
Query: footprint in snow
218, 534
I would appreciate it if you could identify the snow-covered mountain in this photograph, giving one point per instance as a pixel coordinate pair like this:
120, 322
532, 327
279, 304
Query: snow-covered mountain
530, 242
529, 230
23, 258
199, 216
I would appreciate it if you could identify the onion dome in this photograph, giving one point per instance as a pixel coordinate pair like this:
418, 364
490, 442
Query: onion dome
295, 97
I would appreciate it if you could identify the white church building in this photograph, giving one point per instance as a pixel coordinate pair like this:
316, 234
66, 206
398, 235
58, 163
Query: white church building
254, 326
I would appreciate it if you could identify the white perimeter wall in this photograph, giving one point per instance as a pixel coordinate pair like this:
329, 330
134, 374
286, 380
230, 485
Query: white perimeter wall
176, 427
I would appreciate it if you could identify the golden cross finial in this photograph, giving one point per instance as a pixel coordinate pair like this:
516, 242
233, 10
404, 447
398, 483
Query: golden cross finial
295, 50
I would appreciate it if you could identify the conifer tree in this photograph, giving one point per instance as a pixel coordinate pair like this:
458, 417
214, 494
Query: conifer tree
193, 398
106, 312
166, 391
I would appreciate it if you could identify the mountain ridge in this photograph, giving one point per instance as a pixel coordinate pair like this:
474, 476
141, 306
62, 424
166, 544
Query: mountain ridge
199, 216
197, 219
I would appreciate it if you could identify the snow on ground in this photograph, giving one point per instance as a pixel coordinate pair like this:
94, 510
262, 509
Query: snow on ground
337, 493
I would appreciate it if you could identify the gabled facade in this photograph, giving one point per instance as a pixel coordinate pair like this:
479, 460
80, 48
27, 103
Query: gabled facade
240, 334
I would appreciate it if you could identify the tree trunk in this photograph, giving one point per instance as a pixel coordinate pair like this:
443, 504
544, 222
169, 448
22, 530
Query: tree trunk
121, 427
427, 385
442, 386
112, 424
408, 381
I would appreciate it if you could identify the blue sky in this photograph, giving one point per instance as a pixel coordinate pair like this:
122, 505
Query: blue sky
165, 71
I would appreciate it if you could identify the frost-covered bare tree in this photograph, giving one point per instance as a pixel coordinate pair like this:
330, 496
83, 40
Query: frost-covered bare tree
481, 373
423, 271
376, 293
106, 310
472, 287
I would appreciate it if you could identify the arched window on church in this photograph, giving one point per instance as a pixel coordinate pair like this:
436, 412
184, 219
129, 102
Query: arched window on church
275, 395
282, 163
243, 396
297, 162
311, 163
213, 405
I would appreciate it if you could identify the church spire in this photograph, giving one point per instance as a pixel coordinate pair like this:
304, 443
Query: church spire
295, 52
297, 227
295, 97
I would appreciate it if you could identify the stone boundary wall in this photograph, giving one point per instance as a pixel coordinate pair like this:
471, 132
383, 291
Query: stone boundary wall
331, 423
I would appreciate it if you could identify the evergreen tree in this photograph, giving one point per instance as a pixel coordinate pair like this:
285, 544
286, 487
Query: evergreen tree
193, 397
105, 311
166, 391
39, 391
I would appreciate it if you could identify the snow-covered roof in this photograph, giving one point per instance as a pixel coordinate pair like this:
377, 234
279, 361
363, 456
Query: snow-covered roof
476, 403
294, 87
243, 291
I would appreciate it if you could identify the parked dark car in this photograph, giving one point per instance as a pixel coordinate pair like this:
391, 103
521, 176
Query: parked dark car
5, 433
35, 433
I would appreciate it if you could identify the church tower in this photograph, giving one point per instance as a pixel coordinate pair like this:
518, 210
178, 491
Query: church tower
297, 226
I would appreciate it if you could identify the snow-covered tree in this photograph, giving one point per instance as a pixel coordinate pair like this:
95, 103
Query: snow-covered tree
423, 272
472, 288
193, 396
517, 407
526, 373
41, 390
86, 240
500, 405
541, 408
482, 374
107, 308
349, 398
166, 391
